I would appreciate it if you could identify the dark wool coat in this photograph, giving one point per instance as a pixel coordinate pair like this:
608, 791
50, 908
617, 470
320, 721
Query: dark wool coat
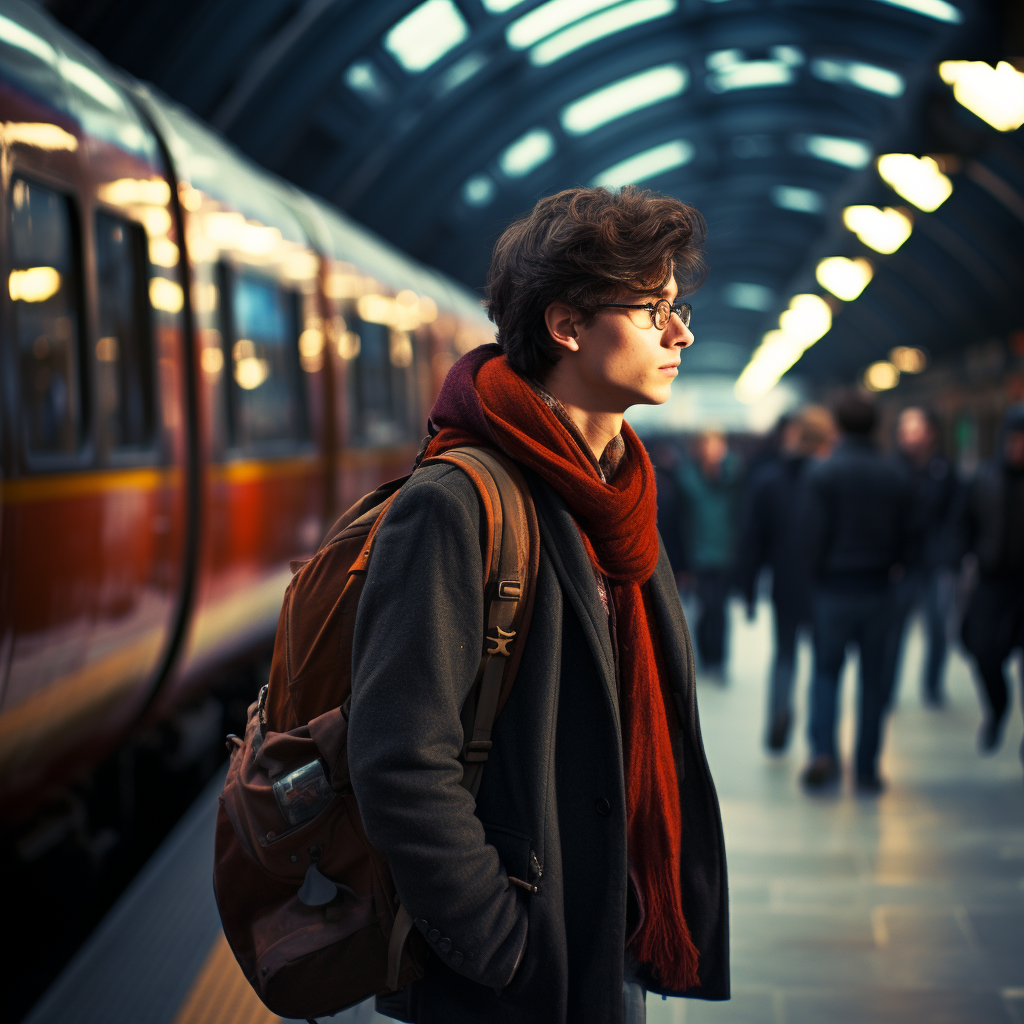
553, 787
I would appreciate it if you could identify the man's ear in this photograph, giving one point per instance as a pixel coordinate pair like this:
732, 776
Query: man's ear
561, 320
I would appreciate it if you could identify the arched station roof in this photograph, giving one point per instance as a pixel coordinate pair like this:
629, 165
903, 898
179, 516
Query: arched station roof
437, 122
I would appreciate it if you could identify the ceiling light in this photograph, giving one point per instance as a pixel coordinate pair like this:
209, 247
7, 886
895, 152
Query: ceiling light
864, 76
607, 23
364, 78
843, 277
881, 376
36, 284
751, 74
808, 318
882, 230
623, 97
919, 180
996, 94
646, 165
908, 360
718, 59
426, 34
836, 150
748, 296
478, 190
527, 152
772, 358
940, 10
499, 6
542, 21
802, 200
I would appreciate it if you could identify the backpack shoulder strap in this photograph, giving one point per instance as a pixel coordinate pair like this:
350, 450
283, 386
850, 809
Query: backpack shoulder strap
509, 587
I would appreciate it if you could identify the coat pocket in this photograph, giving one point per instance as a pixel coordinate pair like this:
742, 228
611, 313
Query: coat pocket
513, 849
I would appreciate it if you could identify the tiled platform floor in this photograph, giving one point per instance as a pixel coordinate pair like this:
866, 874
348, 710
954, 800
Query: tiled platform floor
907, 907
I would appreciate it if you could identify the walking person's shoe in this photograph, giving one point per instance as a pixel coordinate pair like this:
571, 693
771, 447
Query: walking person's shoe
870, 785
778, 734
990, 735
820, 772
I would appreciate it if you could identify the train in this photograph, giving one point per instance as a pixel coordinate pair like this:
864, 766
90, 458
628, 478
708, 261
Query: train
202, 367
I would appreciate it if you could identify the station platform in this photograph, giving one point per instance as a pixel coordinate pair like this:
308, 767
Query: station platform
905, 907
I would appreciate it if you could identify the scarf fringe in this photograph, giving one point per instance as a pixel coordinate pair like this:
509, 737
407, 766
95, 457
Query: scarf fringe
664, 940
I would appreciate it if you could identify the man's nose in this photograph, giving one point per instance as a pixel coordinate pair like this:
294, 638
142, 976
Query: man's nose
677, 334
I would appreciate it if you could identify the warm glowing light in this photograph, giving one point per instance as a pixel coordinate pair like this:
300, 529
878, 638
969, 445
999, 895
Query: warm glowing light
405, 312
919, 180
48, 137
349, 345
37, 284
400, 350
882, 230
844, 278
167, 296
163, 252
311, 349
908, 360
251, 372
191, 198
233, 231
341, 285
995, 94
204, 297
212, 360
881, 376
156, 220
106, 350
135, 191
807, 319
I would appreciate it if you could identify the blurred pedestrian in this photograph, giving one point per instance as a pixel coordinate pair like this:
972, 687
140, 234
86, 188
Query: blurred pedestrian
666, 459
927, 582
855, 521
994, 532
769, 537
710, 486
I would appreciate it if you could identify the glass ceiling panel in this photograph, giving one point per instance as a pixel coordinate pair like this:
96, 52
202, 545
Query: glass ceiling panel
624, 97
617, 19
647, 164
426, 34
938, 9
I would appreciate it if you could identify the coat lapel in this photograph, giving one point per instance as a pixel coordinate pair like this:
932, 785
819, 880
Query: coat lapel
561, 541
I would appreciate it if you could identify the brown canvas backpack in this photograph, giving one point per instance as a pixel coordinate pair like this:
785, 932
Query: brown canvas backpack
308, 906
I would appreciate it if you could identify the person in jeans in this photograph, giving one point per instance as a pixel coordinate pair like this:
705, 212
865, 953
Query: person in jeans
928, 579
769, 536
596, 796
710, 488
993, 525
856, 525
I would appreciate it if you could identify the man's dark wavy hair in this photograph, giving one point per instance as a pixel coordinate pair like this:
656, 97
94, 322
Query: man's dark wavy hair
581, 247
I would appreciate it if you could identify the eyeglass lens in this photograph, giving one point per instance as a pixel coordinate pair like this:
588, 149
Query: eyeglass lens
663, 313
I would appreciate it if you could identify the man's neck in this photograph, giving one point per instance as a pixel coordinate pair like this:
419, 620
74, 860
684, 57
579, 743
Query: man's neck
597, 428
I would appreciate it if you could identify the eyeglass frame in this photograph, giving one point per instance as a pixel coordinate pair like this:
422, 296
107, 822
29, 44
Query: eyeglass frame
652, 308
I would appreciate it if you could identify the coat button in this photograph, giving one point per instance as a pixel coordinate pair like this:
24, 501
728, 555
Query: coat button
444, 945
456, 958
433, 935
603, 806
422, 923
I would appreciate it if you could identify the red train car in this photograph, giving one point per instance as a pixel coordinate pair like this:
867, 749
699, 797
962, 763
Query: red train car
201, 366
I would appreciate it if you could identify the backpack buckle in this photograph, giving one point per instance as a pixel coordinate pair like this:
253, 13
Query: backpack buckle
510, 590
500, 642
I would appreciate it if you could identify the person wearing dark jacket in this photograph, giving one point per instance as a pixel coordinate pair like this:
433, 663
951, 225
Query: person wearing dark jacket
927, 581
856, 525
710, 488
596, 789
993, 530
769, 536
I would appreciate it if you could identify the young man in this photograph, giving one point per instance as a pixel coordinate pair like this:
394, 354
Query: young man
597, 789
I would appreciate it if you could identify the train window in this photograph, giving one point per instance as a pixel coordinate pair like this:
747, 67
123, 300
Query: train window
124, 366
266, 401
382, 385
44, 289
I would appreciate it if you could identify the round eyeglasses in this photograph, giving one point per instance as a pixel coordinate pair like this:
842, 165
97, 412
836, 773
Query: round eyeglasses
661, 311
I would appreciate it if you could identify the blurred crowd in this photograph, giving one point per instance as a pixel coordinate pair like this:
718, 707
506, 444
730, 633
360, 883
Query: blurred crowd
856, 541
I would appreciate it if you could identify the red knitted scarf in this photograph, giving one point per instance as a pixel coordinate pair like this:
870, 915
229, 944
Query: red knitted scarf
618, 524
